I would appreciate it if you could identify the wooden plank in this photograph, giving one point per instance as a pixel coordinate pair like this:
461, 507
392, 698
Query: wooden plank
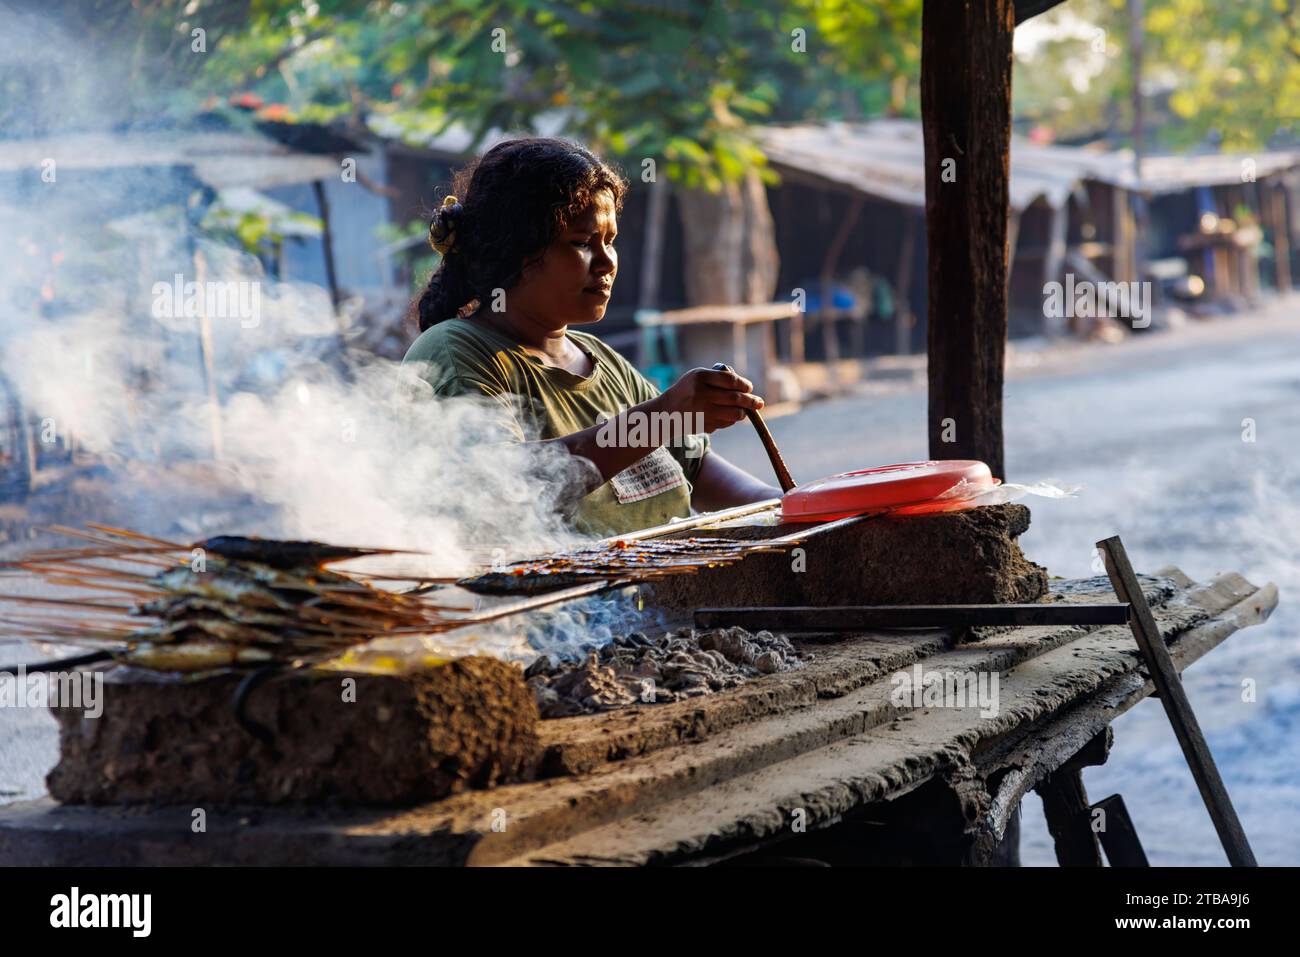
1174, 699
726, 314
796, 619
582, 744
966, 118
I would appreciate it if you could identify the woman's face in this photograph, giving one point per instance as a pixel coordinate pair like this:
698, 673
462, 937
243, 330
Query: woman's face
571, 284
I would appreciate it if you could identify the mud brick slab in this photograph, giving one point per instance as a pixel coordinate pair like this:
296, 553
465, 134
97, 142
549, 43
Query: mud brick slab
469, 724
968, 557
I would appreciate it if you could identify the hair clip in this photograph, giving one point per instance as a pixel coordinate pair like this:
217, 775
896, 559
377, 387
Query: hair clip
442, 228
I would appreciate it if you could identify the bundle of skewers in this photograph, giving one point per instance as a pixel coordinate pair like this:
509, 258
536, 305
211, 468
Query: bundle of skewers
265, 605
223, 603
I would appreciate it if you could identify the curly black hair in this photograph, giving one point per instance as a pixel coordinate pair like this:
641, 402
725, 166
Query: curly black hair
515, 200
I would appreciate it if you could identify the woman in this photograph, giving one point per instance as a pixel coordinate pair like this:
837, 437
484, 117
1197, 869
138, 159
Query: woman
528, 252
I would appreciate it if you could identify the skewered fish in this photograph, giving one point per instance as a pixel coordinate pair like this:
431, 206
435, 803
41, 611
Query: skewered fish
228, 610
615, 558
284, 554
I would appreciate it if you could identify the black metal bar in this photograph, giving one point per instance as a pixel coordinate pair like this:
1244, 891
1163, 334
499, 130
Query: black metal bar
1160, 665
797, 618
1119, 838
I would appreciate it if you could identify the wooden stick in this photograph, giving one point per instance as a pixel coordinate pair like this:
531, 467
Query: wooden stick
33, 600
82, 554
78, 582
154, 545
764, 436
541, 601
85, 571
80, 623
1160, 665
126, 533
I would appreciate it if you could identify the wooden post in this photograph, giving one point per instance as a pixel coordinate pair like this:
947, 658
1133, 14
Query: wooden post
1281, 237
830, 262
327, 241
1065, 805
1123, 239
652, 252
205, 354
966, 116
903, 286
1138, 201
1055, 259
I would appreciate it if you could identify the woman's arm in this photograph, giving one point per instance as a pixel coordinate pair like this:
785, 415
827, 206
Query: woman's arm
610, 458
719, 399
723, 485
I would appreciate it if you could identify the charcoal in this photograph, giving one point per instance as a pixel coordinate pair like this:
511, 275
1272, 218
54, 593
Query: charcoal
544, 665
676, 665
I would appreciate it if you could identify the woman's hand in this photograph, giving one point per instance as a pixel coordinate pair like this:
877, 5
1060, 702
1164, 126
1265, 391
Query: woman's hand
721, 398
706, 400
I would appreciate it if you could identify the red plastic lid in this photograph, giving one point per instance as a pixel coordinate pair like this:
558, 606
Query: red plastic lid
912, 488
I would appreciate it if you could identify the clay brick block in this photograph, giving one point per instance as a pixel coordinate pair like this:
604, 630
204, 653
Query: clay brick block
948, 558
404, 740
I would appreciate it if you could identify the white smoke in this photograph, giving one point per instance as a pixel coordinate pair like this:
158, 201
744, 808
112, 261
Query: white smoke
284, 431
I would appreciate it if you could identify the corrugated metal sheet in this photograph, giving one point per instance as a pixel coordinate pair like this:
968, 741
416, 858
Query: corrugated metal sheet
219, 158
1173, 174
885, 159
455, 142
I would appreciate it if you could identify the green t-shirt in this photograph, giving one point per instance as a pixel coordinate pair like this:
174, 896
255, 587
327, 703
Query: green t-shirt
465, 357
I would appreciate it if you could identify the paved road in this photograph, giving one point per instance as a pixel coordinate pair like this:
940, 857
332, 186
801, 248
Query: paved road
1153, 431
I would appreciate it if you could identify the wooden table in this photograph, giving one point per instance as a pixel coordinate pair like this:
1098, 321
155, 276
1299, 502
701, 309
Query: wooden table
816, 763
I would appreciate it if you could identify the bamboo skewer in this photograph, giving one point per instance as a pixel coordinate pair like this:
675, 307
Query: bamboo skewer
155, 545
126, 533
89, 571
333, 615
697, 521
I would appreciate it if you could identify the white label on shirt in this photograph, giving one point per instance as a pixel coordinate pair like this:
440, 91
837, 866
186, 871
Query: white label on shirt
656, 473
